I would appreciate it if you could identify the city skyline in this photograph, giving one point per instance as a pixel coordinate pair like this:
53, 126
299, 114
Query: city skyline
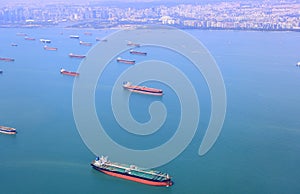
263, 15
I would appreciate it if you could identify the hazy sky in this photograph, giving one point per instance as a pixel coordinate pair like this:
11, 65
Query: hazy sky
37, 2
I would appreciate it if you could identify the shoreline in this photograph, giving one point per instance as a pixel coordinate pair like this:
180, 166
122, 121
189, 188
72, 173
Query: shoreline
138, 25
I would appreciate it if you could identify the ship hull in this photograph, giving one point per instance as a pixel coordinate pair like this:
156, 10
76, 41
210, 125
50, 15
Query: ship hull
76, 56
134, 178
70, 73
137, 53
6, 59
125, 61
145, 92
8, 130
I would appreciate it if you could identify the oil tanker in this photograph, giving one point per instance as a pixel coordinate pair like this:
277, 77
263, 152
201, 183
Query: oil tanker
132, 172
71, 73
120, 60
142, 89
72, 55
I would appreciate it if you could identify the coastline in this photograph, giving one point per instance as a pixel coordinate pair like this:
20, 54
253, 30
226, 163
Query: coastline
126, 27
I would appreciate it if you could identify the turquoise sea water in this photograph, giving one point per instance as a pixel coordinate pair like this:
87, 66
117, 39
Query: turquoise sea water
257, 151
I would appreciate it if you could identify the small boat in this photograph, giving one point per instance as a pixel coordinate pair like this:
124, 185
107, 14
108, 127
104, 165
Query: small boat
298, 64
132, 172
120, 60
74, 36
129, 43
29, 38
1, 71
48, 48
72, 55
14, 44
142, 89
71, 73
137, 52
45, 40
85, 43
6, 59
8, 130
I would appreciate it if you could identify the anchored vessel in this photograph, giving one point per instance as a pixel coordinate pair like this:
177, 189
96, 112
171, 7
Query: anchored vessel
76, 56
71, 73
85, 43
74, 36
137, 52
120, 60
142, 89
45, 40
48, 48
129, 43
29, 38
132, 172
6, 59
100, 39
8, 130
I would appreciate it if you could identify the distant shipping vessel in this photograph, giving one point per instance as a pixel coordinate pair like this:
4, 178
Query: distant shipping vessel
1, 71
71, 73
48, 48
45, 41
29, 38
14, 44
137, 52
85, 43
8, 130
142, 89
132, 172
74, 36
21, 34
6, 59
88, 33
100, 39
120, 60
133, 44
76, 56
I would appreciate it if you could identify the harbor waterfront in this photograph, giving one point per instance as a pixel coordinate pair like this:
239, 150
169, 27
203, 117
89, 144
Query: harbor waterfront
256, 152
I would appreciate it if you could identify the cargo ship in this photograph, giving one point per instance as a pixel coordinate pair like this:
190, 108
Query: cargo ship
29, 38
132, 172
21, 34
74, 36
129, 43
72, 55
45, 40
6, 59
137, 52
142, 89
85, 43
8, 130
100, 39
48, 48
120, 60
71, 73
88, 33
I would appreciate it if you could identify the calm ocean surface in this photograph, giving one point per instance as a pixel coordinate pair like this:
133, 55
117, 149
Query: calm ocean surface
257, 151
